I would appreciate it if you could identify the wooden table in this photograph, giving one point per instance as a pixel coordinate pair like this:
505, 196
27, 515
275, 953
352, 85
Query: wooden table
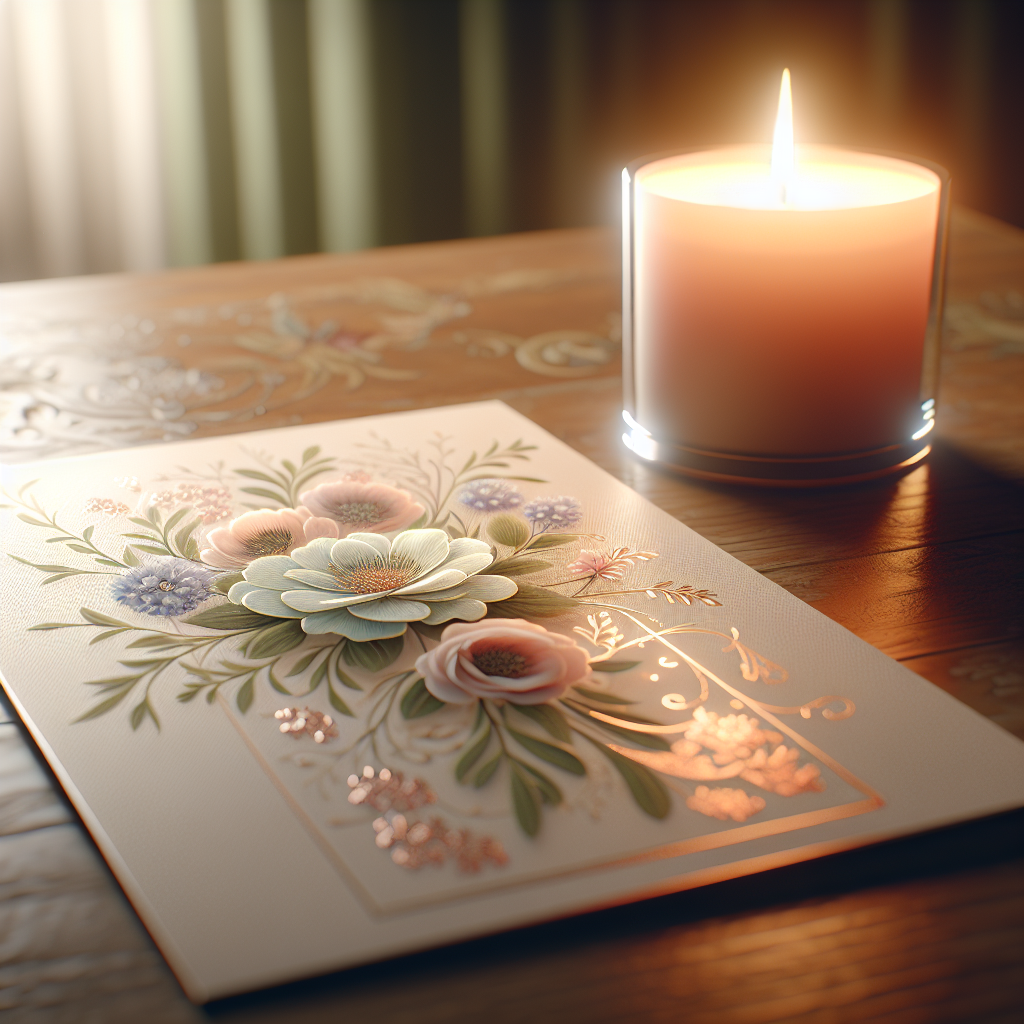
927, 567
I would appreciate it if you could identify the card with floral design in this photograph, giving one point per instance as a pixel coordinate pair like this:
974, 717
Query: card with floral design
331, 693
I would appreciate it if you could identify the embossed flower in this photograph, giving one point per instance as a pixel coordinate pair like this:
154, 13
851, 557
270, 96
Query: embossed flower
265, 532
608, 565
507, 659
724, 803
165, 586
359, 507
553, 513
490, 496
366, 587
211, 501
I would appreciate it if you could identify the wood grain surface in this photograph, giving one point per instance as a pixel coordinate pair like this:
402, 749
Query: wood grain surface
927, 567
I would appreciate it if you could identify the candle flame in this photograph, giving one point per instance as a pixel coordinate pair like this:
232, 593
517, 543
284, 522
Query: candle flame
783, 151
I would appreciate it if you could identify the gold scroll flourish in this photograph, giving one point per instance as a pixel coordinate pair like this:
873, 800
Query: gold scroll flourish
804, 710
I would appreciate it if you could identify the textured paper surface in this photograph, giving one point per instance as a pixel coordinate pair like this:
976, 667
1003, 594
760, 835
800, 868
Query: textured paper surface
773, 733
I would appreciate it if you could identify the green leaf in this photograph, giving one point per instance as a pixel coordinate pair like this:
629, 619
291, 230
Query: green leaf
549, 752
44, 567
261, 492
549, 792
531, 602
88, 532
419, 701
373, 655
344, 679
551, 540
80, 548
472, 754
515, 565
524, 801
99, 619
256, 474
191, 550
32, 522
648, 790
228, 616
159, 640
245, 694
303, 663
550, 719
176, 518
104, 706
321, 671
60, 576
310, 453
483, 776
614, 666
601, 698
52, 625
140, 712
151, 549
509, 530
337, 703
105, 635
276, 683
109, 562
222, 584
182, 536
643, 739
273, 641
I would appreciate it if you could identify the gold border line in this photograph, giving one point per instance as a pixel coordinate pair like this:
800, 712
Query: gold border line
307, 822
679, 848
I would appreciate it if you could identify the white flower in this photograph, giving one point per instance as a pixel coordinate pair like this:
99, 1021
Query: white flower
366, 587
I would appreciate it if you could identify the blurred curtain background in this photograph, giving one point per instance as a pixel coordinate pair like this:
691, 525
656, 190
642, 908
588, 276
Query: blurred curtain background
136, 134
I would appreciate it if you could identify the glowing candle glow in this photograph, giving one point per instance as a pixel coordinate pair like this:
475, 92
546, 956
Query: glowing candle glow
778, 304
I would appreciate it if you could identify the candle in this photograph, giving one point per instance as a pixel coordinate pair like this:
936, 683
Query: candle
778, 302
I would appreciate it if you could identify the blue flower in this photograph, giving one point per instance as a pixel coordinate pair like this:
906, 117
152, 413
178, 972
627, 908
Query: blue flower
490, 496
553, 513
167, 586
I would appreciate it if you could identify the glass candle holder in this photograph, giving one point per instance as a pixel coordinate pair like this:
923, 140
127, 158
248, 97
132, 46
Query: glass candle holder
782, 335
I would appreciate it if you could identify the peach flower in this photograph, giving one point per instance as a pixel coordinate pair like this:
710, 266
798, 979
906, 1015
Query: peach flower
358, 507
724, 803
505, 659
265, 532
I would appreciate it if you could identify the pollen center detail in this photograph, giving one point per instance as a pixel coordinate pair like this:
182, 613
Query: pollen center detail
375, 577
500, 661
269, 542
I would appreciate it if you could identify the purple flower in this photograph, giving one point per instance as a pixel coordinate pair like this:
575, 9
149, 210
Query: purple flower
490, 496
167, 586
553, 513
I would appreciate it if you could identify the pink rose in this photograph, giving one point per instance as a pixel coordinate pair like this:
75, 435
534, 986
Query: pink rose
504, 659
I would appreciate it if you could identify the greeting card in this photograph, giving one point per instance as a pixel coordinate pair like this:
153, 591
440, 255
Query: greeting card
330, 693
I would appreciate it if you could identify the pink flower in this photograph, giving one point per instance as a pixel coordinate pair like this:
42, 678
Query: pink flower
609, 565
725, 803
507, 659
357, 507
266, 532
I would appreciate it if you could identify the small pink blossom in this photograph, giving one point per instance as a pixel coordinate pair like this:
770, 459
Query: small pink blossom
358, 507
725, 803
609, 565
265, 532
211, 501
504, 659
